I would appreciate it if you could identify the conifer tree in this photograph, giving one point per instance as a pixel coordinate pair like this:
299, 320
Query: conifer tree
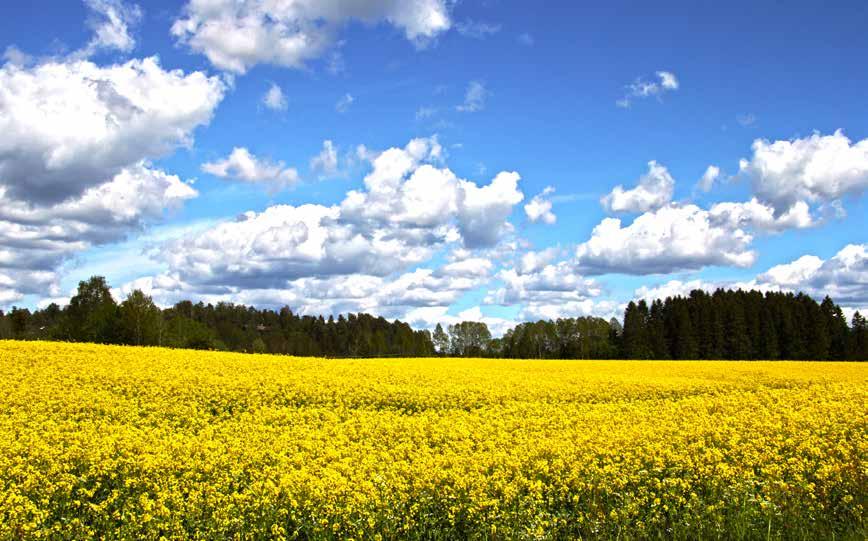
859, 338
657, 331
634, 335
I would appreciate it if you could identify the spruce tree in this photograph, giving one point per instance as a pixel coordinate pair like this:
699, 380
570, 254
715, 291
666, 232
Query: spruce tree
633, 339
836, 325
657, 332
738, 344
859, 338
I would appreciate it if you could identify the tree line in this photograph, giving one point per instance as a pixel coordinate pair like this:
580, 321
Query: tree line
93, 315
720, 325
742, 325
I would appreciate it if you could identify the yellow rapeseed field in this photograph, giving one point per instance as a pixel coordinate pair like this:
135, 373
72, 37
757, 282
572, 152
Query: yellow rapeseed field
144, 443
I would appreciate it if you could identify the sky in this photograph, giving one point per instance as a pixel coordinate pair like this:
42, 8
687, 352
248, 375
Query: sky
436, 160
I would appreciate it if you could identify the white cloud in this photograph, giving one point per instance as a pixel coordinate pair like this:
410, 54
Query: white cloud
111, 21
758, 216
819, 168
483, 211
553, 283
544, 289
706, 183
666, 82
242, 165
474, 98
68, 126
343, 104
672, 288
533, 261
362, 255
793, 274
469, 267
326, 162
429, 316
274, 98
653, 190
16, 57
665, 240
404, 189
35, 239
477, 29
844, 276
410, 296
408, 211
606, 309
539, 209
265, 250
235, 35
74, 159
525, 39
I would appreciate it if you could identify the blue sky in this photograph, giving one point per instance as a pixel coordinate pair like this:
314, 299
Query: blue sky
575, 98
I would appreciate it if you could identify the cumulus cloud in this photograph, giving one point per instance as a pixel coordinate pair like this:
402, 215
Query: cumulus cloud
474, 98
483, 211
760, 217
557, 282
238, 34
408, 210
111, 22
639, 89
406, 189
69, 126
844, 276
326, 162
668, 239
539, 208
429, 317
369, 253
532, 261
819, 168
242, 165
672, 288
409, 296
706, 183
16, 57
274, 98
653, 190
36, 239
74, 160
543, 288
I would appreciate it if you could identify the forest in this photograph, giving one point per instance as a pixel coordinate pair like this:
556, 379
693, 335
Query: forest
726, 324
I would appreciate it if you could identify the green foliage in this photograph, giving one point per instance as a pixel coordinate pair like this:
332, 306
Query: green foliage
441, 340
140, 320
92, 313
469, 338
566, 338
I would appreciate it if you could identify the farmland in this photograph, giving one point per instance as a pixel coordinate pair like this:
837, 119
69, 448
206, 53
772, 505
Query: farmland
142, 443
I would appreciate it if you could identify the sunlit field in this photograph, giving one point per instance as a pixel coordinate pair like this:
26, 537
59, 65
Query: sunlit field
142, 443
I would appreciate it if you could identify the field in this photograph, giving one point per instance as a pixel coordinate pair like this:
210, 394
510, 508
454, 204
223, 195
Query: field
143, 443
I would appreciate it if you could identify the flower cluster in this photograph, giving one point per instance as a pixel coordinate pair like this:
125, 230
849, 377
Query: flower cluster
144, 443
